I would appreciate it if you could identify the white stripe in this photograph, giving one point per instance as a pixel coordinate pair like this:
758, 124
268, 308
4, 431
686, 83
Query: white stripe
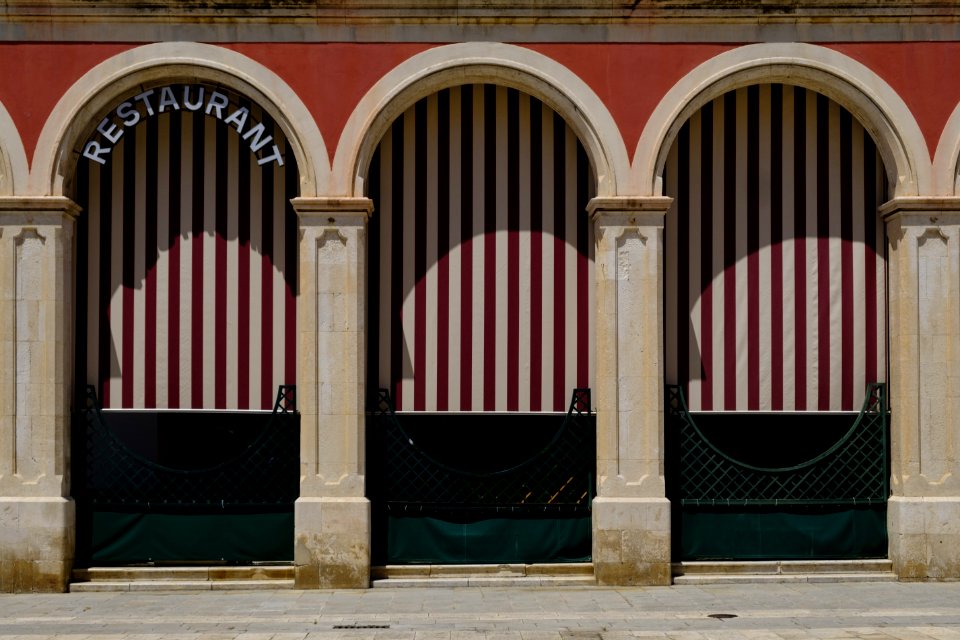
116, 268
789, 254
163, 260
691, 315
139, 269
233, 260
256, 279
478, 251
547, 403
674, 317
456, 148
409, 244
765, 252
719, 230
186, 259
209, 261
881, 276
525, 237
430, 366
836, 265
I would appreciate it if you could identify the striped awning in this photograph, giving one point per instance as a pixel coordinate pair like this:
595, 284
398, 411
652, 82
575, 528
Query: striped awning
481, 256
775, 267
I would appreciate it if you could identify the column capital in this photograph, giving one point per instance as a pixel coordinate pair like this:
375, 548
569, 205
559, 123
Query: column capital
335, 210
922, 210
629, 210
39, 205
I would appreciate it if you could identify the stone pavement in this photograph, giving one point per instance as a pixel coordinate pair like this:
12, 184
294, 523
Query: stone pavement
872, 611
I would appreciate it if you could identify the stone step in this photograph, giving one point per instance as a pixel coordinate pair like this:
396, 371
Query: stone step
730, 572
484, 575
190, 578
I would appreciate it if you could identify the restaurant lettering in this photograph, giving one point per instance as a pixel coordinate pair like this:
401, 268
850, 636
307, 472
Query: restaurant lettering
174, 98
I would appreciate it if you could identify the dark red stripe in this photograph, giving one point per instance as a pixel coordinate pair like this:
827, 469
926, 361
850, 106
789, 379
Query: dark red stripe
396, 271
800, 254
466, 248
870, 199
683, 257
846, 261
513, 250
221, 276
753, 248
443, 249
559, 262
266, 274
173, 284
420, 257
776, 247
129, 267
730, 251
706, 257
583, 268
823, 253
243, 279
536, 254
196, 244
490, 248
152, 254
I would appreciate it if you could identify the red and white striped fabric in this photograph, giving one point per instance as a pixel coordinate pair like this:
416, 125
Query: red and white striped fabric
775, 265
187, 263
481, 256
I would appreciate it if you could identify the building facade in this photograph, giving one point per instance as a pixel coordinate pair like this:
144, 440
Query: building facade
739, 217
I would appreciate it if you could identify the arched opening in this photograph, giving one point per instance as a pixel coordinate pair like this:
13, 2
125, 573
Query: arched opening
186, 445
480, 329
775, 329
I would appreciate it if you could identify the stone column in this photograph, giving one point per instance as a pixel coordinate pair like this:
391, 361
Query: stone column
924, 300
37, 524
631, 514
332, 514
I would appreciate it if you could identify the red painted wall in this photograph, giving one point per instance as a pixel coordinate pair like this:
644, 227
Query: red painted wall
331, 78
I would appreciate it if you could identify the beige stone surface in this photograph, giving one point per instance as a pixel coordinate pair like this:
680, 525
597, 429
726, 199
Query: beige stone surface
924, 303
36, 517
332, 548
36, 543
925, 537
332, 516
631, 516
631, 541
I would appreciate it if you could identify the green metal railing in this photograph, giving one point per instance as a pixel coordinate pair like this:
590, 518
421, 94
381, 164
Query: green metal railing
110, 474
404, 476
853, 471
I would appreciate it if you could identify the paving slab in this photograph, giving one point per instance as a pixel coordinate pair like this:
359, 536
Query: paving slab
776, 611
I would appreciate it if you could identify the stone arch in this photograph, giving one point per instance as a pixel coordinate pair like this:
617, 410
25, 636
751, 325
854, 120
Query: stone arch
14, 170
946, 160
74, 116
478, 62
849, 83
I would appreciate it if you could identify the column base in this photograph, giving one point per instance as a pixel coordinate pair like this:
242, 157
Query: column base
332, 549
37, 538
631, 541
924, 537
